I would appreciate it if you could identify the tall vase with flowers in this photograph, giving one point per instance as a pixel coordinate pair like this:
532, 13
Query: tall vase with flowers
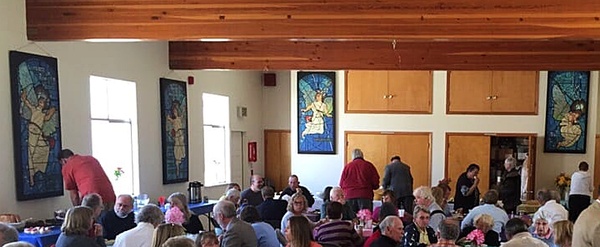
365, 218
562, 182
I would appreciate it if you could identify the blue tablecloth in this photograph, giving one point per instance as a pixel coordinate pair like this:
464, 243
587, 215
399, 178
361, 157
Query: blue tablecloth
41, 240
203, 207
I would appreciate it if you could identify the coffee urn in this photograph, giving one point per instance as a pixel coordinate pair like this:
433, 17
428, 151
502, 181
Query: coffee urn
195, 193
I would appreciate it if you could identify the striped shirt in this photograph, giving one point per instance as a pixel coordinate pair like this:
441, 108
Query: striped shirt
338, 232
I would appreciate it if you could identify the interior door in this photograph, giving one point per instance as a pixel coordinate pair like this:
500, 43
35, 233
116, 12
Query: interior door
277, 157
463, 150
414, 150
532, 161
373, 146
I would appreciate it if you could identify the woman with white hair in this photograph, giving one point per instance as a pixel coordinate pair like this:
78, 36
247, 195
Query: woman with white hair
541, 229
425, 199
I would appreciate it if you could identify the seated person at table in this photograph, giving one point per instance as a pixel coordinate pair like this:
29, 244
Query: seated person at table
166, 231
8, 234
419, 233
236, 233
271, 211
296, 207
386, 209
552, 210
207, 239
75, 229
232, 195
424, 198
192, 223
448, 232
489, 207
93, 201
337, 195
179, 241
541, 229
148, 218
119, 219
230, 186
387, 196
294, 186
484, 223
252, 195
392, 230
516, 232
335, 230
265, 233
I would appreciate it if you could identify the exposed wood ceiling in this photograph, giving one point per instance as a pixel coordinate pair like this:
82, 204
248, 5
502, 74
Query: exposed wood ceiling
339, 34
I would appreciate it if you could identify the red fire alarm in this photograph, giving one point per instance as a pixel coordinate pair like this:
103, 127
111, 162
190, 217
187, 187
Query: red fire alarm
190, 80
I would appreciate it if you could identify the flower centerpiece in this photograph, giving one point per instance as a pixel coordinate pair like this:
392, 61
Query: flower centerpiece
474, 238
365, 217
174, 216
118, 172
562, 181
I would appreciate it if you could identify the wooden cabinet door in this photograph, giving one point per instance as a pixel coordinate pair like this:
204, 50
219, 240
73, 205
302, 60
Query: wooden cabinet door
365, 91
410, 91
463, 150
532, 160
278, 157
597, 167
414, 150
469, 92
515, 92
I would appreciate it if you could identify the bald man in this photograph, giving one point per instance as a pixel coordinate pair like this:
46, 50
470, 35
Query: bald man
253, 196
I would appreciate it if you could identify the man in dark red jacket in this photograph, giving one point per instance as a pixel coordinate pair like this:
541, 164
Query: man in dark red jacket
358, 181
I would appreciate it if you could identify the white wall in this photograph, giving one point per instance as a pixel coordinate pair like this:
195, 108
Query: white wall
143, 63
276, 113
310, 168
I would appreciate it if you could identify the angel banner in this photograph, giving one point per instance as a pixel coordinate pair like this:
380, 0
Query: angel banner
316, 112
36, 125
566, 111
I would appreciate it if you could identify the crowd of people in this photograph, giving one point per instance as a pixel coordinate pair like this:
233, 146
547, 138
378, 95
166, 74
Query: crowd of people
408, 217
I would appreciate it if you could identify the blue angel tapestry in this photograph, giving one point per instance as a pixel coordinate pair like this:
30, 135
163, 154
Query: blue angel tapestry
566, 111
36, 125
175, 148
316, 112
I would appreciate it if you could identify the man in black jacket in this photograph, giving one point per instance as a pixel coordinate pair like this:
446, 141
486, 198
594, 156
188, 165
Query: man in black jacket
271, 211
294, 186
392, 230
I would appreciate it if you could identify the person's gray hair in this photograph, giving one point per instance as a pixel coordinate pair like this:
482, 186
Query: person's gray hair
126, 195
544, 195
150, 214
555, 195
267, 192
9, 233
424, 192
92, 200
18, 244
388, 221
357, 153
233, 193
512, 161
449, 230
225, 208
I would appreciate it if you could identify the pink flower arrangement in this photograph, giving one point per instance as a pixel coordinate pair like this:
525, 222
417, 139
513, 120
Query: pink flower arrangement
476, 236
174, 216
364, 214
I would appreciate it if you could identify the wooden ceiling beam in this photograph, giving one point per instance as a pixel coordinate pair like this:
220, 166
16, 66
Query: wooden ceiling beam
53, 20
380, 55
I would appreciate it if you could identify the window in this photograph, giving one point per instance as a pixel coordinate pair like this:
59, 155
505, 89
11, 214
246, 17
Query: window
114, 131
217, 168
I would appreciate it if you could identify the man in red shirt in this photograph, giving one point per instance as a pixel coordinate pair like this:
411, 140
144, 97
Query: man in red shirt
83, 175
359, 179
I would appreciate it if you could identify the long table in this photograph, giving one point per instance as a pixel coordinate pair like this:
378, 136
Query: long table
41, 240
206, 209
